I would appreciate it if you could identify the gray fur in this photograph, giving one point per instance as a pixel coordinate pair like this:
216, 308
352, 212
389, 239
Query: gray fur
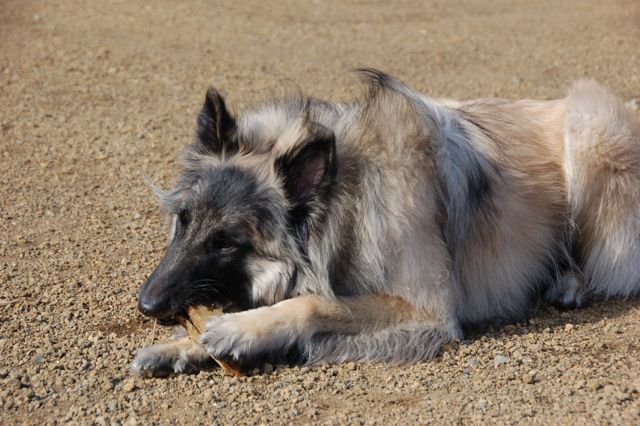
181, 356
403, 344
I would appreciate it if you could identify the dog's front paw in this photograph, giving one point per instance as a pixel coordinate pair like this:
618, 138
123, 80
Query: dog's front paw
229, 336
181, 356
244, 335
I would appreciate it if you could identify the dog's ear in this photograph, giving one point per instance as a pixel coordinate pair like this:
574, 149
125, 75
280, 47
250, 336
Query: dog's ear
216, 126
309, 168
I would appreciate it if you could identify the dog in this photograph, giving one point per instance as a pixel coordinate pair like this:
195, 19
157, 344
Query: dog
379, 230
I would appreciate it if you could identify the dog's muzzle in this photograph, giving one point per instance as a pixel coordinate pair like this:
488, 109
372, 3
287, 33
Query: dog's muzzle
154, 299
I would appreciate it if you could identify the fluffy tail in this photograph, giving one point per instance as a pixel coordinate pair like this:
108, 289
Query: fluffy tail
602, 166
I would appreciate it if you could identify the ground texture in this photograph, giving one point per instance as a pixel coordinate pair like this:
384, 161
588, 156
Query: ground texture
94, 95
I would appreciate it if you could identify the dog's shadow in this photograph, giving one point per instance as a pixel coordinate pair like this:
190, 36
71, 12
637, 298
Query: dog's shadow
547, 317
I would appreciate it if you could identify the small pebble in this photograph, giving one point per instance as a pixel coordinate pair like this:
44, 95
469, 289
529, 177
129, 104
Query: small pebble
593, 384
482, 404
499, 360
128, 386
473, 362
530, 377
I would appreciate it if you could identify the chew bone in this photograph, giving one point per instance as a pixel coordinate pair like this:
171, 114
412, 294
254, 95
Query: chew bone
195, 322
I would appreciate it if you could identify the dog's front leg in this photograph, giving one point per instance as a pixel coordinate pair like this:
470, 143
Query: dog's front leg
317, 325
179, 356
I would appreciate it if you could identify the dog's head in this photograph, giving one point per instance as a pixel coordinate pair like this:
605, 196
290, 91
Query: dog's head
241, 209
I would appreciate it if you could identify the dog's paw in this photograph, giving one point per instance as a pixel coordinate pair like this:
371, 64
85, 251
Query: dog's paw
569, 292
244, 335
182, 356
230, 336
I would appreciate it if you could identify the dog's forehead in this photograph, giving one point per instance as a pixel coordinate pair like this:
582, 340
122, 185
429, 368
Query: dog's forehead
225, 189
271, 128
232, 196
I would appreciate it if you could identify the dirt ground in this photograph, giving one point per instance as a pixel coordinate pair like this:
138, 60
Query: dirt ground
94, 95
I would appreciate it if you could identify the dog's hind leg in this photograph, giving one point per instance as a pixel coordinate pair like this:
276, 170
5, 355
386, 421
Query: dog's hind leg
179, 356
602, 166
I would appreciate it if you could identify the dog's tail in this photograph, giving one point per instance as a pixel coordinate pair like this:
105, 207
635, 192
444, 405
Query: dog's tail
602, 167
427, 107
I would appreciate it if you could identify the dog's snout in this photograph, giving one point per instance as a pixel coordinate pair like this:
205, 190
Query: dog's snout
154, 300
157, 308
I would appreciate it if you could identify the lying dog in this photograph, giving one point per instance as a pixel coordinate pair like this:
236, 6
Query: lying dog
376, 230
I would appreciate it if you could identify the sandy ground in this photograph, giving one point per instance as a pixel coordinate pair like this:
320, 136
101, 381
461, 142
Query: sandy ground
96, 94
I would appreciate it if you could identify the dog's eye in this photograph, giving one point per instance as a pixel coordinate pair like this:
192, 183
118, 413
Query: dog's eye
222, 247
225, 245
184, 217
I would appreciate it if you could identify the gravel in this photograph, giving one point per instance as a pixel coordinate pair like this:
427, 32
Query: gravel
98, 95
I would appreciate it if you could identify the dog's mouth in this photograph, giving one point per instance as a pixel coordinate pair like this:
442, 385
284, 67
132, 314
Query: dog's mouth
173, 320
170, 321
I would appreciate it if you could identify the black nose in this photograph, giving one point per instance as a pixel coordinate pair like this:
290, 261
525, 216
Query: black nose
154, 300
156, 308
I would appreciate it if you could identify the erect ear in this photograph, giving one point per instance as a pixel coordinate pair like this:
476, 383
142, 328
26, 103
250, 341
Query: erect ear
216, 127
310, 167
